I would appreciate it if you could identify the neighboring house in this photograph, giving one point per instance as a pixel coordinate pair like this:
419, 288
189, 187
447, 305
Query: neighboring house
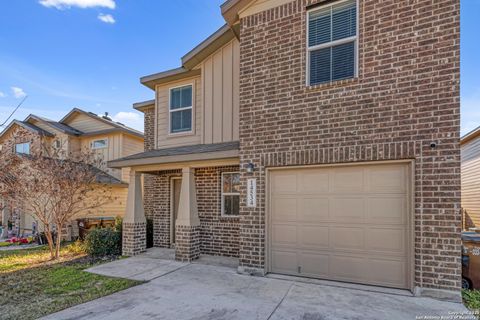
310, 138
78, 130
470, 150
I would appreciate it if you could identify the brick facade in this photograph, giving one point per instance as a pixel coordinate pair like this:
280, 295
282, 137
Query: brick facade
217, 235
405, 97
134, 238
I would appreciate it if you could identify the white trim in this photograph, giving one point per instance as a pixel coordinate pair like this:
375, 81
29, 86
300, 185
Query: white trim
228, 194
191, 131
92, 144
353, 39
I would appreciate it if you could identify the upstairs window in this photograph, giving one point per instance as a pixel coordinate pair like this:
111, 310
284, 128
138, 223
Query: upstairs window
99, 144
230, 194
22, 148
332, 42
181, 109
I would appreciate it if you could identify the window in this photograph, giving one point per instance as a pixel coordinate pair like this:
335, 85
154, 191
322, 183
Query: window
99, 144
181, 109
22, 148
230, 194
332, 42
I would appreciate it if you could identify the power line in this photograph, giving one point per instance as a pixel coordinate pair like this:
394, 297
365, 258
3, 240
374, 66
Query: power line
15, 110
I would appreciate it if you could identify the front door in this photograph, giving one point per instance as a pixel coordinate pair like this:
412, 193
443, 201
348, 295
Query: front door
176, 186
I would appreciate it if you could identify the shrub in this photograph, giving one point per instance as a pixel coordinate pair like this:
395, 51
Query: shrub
103, 242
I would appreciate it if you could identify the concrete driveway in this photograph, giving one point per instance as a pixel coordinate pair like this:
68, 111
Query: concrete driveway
199, 291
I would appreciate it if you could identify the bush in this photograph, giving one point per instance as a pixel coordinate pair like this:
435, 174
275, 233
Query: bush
103, 242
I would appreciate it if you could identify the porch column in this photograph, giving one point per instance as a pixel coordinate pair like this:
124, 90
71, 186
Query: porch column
187, 226
134, 222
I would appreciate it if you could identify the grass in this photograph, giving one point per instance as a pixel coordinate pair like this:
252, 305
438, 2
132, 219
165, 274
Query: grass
32, 286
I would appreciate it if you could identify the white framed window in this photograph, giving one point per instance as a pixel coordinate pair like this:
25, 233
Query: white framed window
57, 144
230, 194
22, 148
332, 42
99, 144
181, 109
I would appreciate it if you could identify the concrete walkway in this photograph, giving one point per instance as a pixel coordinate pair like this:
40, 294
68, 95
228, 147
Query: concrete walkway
203, 291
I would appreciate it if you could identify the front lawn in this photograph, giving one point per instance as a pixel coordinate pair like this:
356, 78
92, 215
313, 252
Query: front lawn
32, 286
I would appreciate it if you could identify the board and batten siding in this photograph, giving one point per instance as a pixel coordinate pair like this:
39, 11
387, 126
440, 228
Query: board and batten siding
87, 124
164, 138
470, 152
220, 77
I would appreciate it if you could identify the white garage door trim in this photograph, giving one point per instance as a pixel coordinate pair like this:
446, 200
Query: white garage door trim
410, 164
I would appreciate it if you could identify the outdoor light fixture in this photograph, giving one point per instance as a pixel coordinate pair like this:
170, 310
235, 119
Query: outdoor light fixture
250, 167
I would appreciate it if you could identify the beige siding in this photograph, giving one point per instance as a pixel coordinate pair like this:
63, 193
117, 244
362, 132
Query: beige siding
261, 5
87, 124
471, 179
164, 139
112, 152
131, 145
113, 209
221, 94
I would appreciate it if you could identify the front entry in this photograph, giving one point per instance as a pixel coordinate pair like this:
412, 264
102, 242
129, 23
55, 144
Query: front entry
346, 223
176, 185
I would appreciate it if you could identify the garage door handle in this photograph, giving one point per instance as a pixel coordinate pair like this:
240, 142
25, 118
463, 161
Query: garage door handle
299, 269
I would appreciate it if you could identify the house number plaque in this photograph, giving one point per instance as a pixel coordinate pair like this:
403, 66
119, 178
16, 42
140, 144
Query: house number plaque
251, 193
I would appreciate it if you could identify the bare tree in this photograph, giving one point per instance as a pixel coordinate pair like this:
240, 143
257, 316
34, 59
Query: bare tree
54, 186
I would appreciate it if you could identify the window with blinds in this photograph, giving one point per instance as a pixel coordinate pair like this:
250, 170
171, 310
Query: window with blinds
332, 42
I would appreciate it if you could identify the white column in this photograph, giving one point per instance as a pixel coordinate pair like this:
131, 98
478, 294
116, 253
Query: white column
134, 211
187, 208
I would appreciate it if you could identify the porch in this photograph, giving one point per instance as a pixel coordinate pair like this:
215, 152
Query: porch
180, 190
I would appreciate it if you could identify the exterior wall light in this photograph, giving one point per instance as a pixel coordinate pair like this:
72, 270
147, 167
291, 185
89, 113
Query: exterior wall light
250, 167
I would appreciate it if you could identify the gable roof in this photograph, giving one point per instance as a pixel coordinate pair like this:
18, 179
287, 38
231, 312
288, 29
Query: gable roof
27, 126
116, 125
475, 133
190, 60
56, 125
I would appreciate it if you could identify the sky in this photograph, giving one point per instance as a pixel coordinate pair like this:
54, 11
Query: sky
90, 54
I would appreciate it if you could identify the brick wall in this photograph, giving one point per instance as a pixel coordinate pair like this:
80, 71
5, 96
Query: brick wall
149, 131
218, 235
406, 96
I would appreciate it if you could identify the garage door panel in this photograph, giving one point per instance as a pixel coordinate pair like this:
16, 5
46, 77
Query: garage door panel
284, 234
342, 223
349, 268
313, 209
314, 264
348, 238
348, 180
314, 182
284, 261
285, 183
387, 209
387, 179
386, 239
285, 209
344, 209
314, 236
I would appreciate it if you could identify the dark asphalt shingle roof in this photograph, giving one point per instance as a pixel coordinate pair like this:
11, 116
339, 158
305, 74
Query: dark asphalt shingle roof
192, 149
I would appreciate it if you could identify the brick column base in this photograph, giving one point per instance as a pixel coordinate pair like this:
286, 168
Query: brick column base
134, 238
187, 243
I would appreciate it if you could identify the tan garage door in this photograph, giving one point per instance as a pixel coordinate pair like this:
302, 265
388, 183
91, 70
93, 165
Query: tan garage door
341, 223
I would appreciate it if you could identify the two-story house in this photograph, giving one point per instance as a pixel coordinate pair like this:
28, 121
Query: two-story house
78, 130
312, 138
